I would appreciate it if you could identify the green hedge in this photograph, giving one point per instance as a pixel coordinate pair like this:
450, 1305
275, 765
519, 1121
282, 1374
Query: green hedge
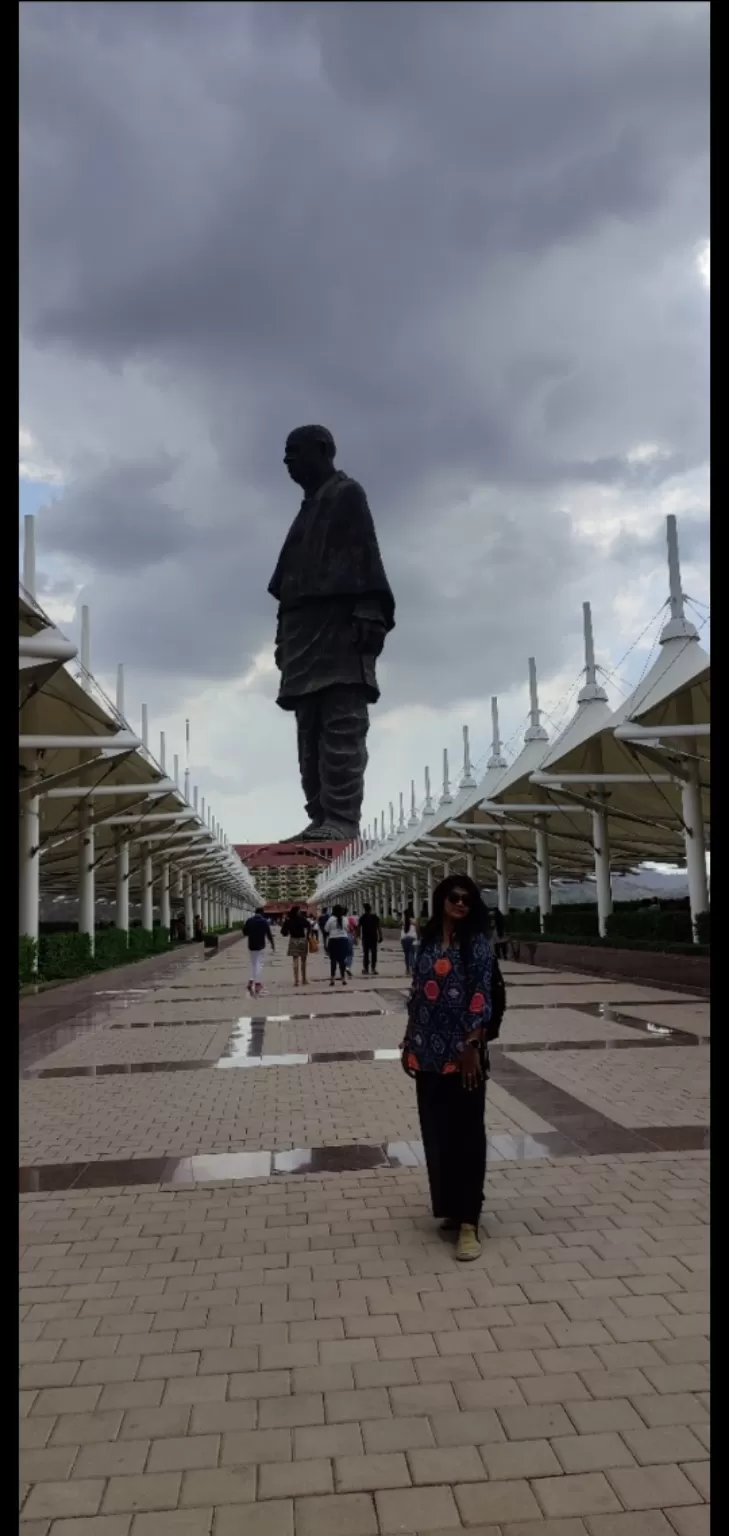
703, 927
656, 946
63, 956
673, 927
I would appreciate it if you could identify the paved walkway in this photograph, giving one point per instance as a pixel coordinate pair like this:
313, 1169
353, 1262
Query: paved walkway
239, 1319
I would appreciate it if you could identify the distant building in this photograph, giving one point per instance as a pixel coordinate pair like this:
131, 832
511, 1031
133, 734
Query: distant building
286, 873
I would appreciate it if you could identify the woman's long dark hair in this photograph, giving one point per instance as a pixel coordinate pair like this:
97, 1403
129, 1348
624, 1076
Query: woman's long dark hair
339, 912
475, 921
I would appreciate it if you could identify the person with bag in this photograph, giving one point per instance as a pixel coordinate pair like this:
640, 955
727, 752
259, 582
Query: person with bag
295, 928
313, 942
455, 1007
337, 944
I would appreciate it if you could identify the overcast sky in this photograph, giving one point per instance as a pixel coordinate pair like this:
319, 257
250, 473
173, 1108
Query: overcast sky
472, 239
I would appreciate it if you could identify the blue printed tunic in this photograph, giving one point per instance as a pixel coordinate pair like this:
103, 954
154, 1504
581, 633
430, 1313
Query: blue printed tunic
447, 1004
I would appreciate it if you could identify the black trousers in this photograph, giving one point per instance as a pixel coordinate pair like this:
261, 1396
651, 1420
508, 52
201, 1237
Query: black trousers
338, 956
452, 1122
332, 731
369, 954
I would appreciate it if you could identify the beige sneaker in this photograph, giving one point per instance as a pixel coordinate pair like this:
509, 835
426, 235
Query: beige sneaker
468, 1246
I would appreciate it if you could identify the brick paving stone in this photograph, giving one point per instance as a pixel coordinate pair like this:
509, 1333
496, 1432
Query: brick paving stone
593, 1453
652, 1487
109, 1460
341, 1514
611, 1414
651, 1447
396, 1435
271, 1519
53, 1500
471, 1427
174, 1522
354, 1407
416, 1509
225, 1485
355, 1474
181, 1452
700, 1475
495, 1503
649, 1522
160, 1491
96, 1525
538, 1422
318, 1440
521, 1459
582, 1493
289, 1479
694, 1520
47, 1465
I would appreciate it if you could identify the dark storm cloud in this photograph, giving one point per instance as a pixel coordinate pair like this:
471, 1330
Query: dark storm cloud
461, 235
118, 520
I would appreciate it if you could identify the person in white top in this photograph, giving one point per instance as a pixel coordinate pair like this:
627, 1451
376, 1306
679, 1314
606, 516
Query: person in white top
408, 939
338, 942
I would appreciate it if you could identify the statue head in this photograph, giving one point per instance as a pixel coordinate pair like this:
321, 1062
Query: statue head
309, 456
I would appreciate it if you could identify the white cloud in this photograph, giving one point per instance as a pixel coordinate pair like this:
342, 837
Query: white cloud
33, 464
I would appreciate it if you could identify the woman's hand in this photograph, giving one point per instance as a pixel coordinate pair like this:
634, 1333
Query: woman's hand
470, 1067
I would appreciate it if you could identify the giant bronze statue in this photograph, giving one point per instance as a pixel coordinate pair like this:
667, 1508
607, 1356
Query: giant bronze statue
335, 609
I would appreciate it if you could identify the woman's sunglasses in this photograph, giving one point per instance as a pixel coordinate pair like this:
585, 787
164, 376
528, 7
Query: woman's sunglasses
458, 899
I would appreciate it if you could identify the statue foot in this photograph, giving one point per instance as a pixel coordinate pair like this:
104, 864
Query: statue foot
300, 837
330, 831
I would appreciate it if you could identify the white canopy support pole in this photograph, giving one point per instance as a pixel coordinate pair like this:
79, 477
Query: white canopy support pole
196, 896
189, 914
541, 838
86, 873
446, 797
415, 894
29, 872
165, 906
467, 779
413, 817
163, 751
429, 884
502, 874
446, 869
391, 884
428, 808
205, 914
29, 555
403, 894
695, 841
122, 887
85, 644
601, 842
120, 687
470, 866
147, 889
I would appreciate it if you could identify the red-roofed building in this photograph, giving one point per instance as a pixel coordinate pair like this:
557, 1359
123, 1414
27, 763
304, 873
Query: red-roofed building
286, 873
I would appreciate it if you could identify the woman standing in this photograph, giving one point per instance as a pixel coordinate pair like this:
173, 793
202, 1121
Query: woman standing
338, 944
408, 938
296, 930
446, 1050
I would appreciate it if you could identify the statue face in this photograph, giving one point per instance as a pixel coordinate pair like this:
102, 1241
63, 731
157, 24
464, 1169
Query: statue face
304, 457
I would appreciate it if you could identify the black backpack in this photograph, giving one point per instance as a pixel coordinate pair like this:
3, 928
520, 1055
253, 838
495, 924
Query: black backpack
498, 1001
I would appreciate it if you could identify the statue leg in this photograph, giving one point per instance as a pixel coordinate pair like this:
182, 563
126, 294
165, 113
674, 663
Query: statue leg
344, 723
308, 731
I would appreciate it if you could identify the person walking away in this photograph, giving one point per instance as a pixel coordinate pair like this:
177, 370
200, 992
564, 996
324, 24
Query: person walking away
408, 938
296, 930
323, 920
446, 1050
498, 934
371, 932
257, 930
197, 928
337, 945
